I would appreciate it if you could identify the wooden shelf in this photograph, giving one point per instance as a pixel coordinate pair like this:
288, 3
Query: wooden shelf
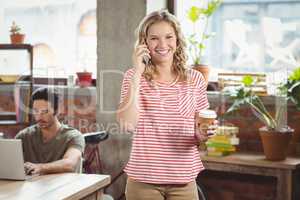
29, 47
7, 116
15, 83
24, 80
8, 122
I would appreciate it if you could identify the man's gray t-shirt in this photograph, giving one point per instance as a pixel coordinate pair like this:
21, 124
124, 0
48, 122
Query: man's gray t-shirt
37, 151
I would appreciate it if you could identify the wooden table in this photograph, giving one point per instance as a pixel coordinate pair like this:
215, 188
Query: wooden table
258, 165
69, 186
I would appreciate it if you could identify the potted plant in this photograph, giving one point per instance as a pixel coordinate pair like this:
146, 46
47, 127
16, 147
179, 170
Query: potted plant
292, 90
15, 34
200, 16
84, 78
275, 135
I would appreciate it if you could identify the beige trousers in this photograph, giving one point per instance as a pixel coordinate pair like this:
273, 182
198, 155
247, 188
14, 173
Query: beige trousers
144, 191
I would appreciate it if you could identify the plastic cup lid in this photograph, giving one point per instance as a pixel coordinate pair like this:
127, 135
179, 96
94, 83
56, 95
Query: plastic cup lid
208, 114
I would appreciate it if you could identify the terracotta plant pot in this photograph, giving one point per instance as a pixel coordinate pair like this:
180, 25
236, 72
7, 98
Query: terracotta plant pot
275, 144
17, 38
204, 69
84, 79
293, 149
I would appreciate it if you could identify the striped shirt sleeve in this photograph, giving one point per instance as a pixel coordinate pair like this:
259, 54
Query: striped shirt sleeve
126, 84
201, 94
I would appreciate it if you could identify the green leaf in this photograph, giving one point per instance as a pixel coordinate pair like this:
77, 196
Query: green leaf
206, 36
212, 7
201, 46
258, 105
294, 94
247, 80
245, 96
296, 84
194, 13
295, 76
283, 90
203, 11
240, 98
264, 118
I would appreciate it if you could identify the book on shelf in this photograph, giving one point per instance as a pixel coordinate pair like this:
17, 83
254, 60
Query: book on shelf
22, 104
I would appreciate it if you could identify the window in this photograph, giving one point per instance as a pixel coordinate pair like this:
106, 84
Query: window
87, 42
252, 36
43, 59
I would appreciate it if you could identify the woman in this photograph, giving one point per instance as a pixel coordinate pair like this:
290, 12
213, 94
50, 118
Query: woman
160, 98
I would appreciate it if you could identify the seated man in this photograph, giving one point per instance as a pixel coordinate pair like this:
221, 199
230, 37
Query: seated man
50, 146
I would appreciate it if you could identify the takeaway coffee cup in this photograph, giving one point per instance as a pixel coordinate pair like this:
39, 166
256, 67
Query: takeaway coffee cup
206, 118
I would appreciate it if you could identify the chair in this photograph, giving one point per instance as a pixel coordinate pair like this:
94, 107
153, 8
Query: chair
79, 166
94, 139
202, 195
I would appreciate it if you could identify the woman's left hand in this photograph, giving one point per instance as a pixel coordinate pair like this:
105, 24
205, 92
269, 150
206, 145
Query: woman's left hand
212, 129
203, 135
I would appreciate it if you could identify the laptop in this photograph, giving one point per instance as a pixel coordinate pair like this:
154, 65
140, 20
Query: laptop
12, 161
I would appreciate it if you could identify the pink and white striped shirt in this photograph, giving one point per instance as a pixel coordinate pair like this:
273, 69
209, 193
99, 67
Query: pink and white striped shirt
164, 148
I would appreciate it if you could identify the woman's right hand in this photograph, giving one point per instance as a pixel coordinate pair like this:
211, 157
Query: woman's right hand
139, 53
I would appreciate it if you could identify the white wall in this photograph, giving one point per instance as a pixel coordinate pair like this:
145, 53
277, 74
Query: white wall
153, 5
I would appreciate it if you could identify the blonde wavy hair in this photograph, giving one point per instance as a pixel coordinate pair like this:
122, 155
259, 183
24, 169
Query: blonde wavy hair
180, 57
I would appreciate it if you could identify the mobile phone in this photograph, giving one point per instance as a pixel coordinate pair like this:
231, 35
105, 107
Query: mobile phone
146, 60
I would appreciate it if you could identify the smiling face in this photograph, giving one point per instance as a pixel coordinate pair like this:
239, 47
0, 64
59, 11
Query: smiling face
161, 41
43, 113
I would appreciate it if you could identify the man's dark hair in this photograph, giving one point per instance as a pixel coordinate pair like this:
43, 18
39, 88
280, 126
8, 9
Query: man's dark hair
47, 94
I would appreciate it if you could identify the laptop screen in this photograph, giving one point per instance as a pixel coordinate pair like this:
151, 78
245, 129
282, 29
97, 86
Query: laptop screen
12, 161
